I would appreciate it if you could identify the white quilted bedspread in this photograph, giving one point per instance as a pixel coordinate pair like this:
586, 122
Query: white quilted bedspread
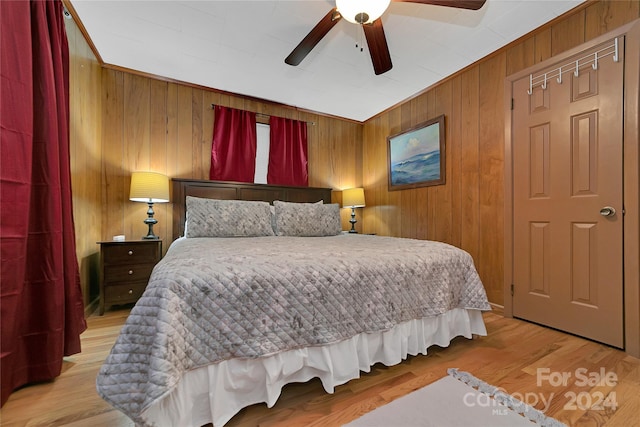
212, 299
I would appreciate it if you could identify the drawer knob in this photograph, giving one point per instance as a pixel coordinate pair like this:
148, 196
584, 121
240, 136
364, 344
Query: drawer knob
130, 291
130, 252
130, 272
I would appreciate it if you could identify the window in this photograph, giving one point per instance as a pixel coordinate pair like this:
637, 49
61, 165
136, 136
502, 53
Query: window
262, 153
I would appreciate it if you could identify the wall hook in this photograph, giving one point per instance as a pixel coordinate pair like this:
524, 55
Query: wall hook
577, 72
544, 84
615, 55
595, 61
559, 79
530, 91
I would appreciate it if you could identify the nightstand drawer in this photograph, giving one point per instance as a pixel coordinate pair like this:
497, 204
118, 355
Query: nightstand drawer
123, 253
127, 273
125, 268
120, 294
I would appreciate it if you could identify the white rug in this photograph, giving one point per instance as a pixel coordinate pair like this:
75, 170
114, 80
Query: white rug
457, 400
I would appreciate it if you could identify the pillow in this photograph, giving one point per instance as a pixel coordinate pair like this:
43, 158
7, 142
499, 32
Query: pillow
307, 219
227, 218
273, 215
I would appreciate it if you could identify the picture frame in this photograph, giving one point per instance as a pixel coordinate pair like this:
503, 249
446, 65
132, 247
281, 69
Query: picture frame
416, 157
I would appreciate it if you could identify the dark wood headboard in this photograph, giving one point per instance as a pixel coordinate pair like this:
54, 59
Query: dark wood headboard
226, 190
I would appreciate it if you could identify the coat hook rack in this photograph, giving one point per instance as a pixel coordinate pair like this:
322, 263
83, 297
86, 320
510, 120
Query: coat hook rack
574, 67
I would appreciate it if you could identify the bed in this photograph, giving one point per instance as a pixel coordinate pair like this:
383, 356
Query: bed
261, 288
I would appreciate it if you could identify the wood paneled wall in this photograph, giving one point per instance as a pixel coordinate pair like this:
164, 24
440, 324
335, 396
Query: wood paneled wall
165, 127
468, 211
85, 74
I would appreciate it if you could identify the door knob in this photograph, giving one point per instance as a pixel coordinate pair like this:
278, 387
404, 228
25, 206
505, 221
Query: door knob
607, 211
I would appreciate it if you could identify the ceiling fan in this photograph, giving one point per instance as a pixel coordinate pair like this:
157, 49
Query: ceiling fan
366, 13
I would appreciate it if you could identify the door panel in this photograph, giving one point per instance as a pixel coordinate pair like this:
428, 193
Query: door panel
567, 166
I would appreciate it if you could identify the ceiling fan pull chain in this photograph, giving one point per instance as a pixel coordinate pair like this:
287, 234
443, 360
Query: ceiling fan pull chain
359, 43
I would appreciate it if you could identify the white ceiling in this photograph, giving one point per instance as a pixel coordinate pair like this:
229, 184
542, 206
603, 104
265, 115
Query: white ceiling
240, 46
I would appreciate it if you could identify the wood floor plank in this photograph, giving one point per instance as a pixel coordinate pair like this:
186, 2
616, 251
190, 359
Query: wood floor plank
510, 356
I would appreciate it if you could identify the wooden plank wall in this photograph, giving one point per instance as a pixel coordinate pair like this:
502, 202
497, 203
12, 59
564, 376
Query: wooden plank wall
85, 139
468, 211
150, 124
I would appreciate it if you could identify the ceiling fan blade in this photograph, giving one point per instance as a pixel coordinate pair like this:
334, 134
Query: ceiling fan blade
378, 48
315, 35
461, 4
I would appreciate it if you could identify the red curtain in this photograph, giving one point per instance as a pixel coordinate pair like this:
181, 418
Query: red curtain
233, 152
41, 307
287, 152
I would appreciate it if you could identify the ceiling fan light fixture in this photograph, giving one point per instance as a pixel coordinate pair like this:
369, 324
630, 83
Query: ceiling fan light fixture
362, 11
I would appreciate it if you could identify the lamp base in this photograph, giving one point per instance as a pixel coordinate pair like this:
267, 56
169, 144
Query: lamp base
150, 221
353, 221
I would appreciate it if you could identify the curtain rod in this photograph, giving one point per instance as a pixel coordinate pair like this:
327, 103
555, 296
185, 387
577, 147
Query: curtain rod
268, 116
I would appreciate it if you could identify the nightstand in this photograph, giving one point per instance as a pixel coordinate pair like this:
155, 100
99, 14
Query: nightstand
125, 268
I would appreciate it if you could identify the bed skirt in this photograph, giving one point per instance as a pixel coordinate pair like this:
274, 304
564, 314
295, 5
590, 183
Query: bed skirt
215, 393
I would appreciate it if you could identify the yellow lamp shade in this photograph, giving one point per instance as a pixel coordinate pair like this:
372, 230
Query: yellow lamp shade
353, 198
149, 187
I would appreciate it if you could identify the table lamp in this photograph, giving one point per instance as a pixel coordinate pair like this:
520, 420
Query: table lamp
353, 198
149, 187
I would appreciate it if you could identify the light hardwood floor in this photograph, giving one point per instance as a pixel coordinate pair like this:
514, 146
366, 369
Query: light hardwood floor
509, 357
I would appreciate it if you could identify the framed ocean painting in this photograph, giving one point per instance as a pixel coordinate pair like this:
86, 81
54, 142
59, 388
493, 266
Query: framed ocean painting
417, 156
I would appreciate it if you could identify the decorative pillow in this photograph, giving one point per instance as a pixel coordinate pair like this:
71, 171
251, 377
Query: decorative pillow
227, 218
307, 219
